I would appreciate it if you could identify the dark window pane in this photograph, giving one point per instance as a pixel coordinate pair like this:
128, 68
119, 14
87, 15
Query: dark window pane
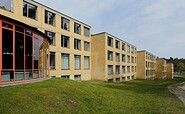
52, 60
29, 10
36, 53
19, 51
7, 25
29, 53
65, 24
25, 9
7, 49
20, 29
49, 18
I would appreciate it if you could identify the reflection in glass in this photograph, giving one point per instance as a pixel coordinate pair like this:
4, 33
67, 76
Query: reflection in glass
7, 49
19, 51
28, 52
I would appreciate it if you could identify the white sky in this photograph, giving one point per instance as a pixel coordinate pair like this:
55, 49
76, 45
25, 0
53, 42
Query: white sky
157, 26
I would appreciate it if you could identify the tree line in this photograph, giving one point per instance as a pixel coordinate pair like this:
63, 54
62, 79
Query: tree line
179, 64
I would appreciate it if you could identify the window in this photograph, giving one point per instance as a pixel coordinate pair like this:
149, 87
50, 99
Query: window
123, 70
86, 31
117, 57
65, 24
110, 41
117, 79
65, 61
65, 41
123, 46
128, 59
128, 69
77, 28
86, 46
49, 18
29, 10
132, 50
6, 5
65, 76
123, 58
123, 78
52, 60
132, 59
117, 69
110, 55
77, 44
51, 35
110, 69
128, 48
128, 77
77, 59
132, 69
117, 44
110, 80
77, 77
86, 62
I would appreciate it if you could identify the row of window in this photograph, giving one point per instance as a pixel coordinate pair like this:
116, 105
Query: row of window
121, 79
150, 72
125, 69
150, 64
130, 59
30, 11
76, 77
65, 41
65, 62
118, 45
150, 57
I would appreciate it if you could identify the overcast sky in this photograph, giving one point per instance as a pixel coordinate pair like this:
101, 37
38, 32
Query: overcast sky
157, 26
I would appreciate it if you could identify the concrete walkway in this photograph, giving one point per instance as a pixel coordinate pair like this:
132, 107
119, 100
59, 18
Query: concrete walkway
20, 83
179, 91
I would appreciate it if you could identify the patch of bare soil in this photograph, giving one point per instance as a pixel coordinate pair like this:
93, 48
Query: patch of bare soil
178, 90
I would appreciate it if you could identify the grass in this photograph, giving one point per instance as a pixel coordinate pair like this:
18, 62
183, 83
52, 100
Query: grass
66, 96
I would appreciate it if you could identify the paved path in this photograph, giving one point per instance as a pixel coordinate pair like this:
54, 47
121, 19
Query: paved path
179, 91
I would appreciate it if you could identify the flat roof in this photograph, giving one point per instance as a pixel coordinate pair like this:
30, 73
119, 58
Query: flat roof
112, 36
146, 52
60, 13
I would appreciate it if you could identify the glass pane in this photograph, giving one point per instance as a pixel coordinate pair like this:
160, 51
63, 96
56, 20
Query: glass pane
19, 51
28, 75
36, 53
7, 76
19, 75
36, 74
7, 25
6, 4
7, 49
29, 54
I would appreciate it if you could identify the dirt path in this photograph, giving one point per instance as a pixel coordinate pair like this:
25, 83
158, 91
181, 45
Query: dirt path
178, 90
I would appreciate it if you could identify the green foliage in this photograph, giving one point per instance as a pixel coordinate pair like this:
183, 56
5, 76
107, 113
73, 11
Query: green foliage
179, 64
67, 96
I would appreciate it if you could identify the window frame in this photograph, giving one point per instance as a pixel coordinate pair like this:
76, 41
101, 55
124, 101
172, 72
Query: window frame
47, 21
77, 28
63, 19
63, 39
47, 34
28, 5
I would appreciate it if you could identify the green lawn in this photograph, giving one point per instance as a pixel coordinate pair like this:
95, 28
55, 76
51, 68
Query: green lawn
67, 96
